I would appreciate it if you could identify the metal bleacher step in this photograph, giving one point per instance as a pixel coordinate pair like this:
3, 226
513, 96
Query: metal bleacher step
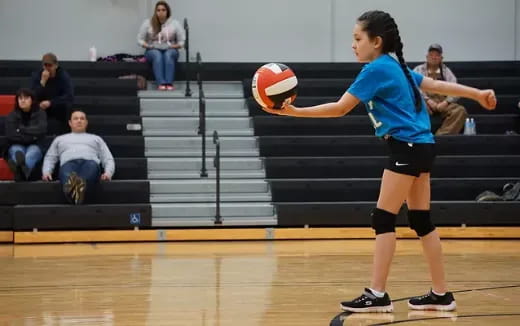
245, 209
212, 89
189, 107
208, 186
191, 147
173, 174
195, 164
210, 198
166, 124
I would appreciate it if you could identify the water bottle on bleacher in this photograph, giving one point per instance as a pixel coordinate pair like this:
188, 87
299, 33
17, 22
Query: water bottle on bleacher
467, 127
473, 126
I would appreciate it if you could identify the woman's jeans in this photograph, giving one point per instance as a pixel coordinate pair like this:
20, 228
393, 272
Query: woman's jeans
32, 154
163, 64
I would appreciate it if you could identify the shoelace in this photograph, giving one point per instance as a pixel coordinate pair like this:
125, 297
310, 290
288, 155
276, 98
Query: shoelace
362, 297
424, 296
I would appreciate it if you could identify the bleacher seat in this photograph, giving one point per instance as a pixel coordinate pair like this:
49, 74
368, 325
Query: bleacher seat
92, 217
372, 146
5, 172
6, 218
367, 189
7, 103
120, 146
107, 105
82, 86
447, 213
41, 192
446, 166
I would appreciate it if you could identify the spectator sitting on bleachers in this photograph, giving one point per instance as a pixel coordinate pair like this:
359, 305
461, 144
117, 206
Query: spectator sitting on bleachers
162, 37
54, 90
81, 156
25, 129
452, 114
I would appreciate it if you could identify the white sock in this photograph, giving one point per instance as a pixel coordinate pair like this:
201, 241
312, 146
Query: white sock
439, 294
377, 293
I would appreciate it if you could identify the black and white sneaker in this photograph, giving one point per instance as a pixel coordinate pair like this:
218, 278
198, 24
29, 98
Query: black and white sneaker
431, 301
368, 302
74, 189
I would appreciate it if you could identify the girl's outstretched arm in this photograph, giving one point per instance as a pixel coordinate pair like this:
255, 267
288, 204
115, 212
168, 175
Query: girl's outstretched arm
328, 110
486, 97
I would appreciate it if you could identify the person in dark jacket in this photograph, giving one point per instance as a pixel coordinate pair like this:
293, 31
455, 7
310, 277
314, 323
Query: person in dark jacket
25, 129
54, 91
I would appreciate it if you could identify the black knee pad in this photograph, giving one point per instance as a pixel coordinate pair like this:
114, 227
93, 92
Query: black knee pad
420, 222
382, 221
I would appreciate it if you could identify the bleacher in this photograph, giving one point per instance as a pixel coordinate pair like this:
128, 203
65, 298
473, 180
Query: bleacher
112, 108
322, 172
326, 172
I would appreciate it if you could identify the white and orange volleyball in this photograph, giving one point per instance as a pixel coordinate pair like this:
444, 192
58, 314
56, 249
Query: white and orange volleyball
274, 85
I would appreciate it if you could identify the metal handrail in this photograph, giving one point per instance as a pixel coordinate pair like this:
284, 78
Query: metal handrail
199, 70
202, 132
202, 116
216, 164
187, 47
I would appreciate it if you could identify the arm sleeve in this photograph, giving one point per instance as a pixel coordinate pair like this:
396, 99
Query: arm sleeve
67, 91
106, 158
141, 35
12, 131
180, 34
366, 84
35, 84
417, 77
51, 158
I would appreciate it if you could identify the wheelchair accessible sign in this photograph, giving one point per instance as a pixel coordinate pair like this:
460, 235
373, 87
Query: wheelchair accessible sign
135, 218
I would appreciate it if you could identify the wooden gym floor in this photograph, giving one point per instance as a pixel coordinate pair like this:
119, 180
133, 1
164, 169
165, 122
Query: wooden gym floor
249, 283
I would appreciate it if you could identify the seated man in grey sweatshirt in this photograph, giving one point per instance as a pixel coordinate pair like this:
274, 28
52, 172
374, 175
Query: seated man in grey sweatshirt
81, 156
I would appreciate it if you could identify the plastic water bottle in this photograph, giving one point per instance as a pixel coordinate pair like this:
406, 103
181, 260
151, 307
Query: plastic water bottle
473, 126
92, 54
467, 127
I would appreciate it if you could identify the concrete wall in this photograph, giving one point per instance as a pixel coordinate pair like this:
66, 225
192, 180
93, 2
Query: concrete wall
260, 31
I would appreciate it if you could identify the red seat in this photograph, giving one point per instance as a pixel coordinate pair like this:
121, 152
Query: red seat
6, 104
5, 171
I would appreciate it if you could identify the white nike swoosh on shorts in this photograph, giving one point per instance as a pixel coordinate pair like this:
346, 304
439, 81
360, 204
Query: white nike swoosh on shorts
400, 164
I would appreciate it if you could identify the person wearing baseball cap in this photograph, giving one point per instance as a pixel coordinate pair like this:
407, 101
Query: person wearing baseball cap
453, 115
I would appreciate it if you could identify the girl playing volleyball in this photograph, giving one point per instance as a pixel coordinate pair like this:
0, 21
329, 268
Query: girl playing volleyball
390, 92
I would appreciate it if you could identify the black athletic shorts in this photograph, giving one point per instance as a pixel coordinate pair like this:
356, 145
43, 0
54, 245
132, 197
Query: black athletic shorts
409, 158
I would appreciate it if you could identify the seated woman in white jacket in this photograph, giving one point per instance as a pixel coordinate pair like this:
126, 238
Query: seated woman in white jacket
162, 37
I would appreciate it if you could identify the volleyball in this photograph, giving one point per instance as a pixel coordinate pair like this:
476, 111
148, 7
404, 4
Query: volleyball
274, 85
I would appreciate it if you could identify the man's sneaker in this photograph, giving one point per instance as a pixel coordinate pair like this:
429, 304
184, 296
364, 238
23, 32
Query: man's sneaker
81, 188
368, 302
431, 301
69, 187
74, 189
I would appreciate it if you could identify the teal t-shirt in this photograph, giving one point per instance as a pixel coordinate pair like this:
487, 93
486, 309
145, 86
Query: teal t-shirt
388, 96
